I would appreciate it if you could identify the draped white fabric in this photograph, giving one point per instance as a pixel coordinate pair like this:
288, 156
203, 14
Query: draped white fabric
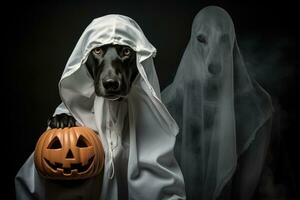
138, 133
218, 107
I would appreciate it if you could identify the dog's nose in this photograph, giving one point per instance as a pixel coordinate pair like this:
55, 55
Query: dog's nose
214, 68
111, 84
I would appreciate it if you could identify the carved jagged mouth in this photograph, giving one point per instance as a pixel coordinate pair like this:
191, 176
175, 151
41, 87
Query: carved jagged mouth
78, 167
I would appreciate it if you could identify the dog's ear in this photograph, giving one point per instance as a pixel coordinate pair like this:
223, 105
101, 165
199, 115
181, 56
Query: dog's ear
91, 65
135, 70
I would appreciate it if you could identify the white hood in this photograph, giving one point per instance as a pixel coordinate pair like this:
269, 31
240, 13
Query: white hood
153, 172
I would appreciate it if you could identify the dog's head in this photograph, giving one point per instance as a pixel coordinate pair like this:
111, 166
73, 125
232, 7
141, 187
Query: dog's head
113, 68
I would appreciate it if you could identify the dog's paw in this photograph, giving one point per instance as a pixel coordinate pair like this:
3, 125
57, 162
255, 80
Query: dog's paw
61, 121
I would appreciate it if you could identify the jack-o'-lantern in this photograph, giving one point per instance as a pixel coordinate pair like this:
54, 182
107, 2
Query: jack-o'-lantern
69, 153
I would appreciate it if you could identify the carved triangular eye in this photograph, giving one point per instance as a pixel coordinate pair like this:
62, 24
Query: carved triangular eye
82, 142
55, 144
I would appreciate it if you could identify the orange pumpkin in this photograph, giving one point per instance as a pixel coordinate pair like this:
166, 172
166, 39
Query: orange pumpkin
69, 153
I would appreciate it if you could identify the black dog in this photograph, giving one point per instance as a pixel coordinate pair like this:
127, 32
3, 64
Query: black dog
113, 69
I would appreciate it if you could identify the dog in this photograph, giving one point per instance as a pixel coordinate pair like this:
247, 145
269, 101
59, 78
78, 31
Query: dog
113, 70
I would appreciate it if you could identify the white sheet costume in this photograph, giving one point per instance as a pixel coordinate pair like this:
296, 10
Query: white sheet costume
222, 113
138, 133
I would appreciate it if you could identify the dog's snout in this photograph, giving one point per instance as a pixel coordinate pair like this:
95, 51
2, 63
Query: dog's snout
111, 84
214, 68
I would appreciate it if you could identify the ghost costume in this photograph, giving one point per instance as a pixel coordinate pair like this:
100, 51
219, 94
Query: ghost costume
138, 133
220, 110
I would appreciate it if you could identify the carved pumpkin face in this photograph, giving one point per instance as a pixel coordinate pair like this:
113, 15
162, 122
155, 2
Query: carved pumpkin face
69, 153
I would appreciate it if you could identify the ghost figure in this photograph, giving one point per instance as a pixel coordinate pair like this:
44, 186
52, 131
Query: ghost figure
138, 133
224, 116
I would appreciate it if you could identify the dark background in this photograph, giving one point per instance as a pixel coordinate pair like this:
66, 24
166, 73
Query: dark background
38, 38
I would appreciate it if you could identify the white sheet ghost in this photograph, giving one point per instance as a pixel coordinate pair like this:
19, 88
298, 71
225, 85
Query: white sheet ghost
138, 133
222, 113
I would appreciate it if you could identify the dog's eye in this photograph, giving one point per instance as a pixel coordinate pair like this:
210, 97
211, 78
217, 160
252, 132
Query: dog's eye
202, 39
98, 50
126, 52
